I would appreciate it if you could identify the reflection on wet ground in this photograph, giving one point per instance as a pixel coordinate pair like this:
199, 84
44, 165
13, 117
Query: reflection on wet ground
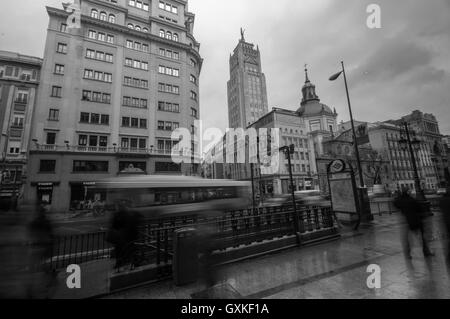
331, 270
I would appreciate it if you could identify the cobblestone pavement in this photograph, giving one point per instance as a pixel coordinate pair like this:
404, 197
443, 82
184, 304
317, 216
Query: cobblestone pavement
335, 269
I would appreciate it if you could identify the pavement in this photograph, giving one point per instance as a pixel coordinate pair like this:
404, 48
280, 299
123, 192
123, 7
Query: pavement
332, 270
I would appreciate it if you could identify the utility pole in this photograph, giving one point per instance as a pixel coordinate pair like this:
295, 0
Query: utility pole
290, 150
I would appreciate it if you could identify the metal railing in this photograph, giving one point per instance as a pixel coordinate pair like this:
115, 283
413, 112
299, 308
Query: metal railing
76, 249
111, 150
230, 230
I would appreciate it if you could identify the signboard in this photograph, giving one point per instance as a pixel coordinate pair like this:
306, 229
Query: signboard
342, 185
337, 166
342, 194
45, 186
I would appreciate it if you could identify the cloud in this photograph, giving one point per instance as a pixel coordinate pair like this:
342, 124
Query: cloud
391, 71
394, 58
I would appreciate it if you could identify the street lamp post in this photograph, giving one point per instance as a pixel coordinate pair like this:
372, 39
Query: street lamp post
364, 205
413, 145
288, 150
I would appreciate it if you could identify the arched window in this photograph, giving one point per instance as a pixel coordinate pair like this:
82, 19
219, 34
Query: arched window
169, 35
103, 16
112, 18
130, 25
175, 37
145, 30
137, 28
162, 34
94, 14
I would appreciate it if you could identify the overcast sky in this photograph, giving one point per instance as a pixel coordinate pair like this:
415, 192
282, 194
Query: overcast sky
401, 67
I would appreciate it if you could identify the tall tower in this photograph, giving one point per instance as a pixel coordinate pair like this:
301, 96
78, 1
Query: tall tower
247, 94
113, 89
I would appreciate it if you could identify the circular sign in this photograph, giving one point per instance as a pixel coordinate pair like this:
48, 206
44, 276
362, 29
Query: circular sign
337, 166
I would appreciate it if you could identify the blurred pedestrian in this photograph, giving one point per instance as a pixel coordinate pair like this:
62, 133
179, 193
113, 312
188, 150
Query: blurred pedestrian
123, 234
40, 244
413, 213
445, 210
207, 230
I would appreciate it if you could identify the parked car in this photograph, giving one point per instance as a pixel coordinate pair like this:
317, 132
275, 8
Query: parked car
441, 191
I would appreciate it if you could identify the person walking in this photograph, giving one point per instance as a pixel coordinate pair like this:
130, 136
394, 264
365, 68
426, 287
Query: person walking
123, 234
444, 205
413, 214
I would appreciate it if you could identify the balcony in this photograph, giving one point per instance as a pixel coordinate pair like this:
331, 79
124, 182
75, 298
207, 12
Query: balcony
21, 100
107, 150
15, 125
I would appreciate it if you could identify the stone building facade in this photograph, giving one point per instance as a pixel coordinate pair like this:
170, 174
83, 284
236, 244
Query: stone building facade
113, 90
19, 81
247, 93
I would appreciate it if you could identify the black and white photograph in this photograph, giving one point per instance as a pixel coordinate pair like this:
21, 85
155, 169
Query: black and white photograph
224, 155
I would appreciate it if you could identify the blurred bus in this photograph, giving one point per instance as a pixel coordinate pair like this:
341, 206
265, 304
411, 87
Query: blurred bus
155, 196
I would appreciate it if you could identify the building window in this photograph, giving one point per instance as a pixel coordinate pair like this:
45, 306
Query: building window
63, 28
104, 119
47, 166
133, 143
168, 107
167, 167
94, 14
51, 138
112, 18
130, 26
61, 48
92, 34
168, 88
84, 117
140, 165
193, 79
59, 69
194, 112
162, 34
90, 166
126, 121
103, 16
53, 115
193, 95
134, 122
22, 96
56, 91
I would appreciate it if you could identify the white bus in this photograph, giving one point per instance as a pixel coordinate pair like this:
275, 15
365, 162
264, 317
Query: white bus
156, 195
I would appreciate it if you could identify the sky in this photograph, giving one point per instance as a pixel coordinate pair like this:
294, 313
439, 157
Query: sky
391, 71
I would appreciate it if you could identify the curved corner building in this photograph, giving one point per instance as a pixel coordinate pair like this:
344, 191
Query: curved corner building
114, 86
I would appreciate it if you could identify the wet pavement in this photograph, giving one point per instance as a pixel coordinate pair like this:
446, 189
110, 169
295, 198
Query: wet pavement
330, 270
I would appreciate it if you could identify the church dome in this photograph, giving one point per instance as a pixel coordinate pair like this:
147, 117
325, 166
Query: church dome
314, 108
310, 105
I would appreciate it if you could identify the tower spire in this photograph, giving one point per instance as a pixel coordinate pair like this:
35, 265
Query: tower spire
242, 34
306, 74
309, 89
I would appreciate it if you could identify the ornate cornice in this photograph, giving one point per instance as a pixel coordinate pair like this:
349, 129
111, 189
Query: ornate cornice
123, 29
109, 5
